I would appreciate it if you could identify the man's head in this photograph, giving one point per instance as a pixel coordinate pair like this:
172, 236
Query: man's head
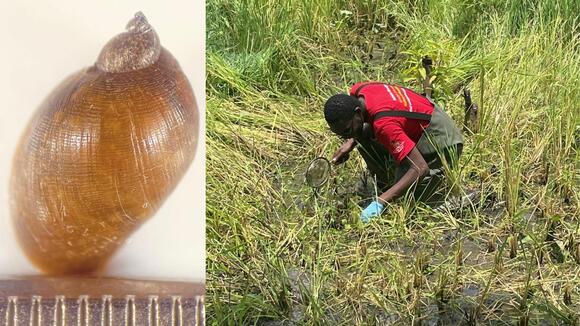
344, 115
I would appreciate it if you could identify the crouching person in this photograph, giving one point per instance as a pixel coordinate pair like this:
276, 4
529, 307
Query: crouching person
395, 128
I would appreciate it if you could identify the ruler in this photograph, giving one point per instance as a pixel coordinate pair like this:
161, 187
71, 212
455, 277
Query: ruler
100, 301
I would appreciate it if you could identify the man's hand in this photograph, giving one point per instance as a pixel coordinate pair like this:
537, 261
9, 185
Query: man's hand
343, 152
416, 172
374, 209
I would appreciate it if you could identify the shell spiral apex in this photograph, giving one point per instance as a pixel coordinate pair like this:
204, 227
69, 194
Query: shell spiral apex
137, 48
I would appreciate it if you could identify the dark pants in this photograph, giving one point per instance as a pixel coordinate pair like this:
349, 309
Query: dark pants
382, 166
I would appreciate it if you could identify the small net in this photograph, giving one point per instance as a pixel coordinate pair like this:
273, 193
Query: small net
318, 172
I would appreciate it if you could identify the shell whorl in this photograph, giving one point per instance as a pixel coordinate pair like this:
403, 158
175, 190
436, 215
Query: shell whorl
136, 48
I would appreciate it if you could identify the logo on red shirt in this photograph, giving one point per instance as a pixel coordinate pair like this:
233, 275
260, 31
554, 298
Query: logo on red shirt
397, 146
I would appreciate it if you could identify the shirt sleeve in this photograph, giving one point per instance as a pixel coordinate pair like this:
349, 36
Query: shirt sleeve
389, 132
354, 88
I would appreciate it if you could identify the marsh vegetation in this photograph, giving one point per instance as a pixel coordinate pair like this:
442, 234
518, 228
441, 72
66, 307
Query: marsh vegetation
279, 253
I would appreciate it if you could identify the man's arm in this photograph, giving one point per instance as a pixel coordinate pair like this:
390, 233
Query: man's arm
418, 169
342, 154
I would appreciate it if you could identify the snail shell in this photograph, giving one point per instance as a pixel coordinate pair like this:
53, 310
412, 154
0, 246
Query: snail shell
102, 153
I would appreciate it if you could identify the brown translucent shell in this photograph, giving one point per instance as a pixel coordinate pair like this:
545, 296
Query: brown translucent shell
102, 153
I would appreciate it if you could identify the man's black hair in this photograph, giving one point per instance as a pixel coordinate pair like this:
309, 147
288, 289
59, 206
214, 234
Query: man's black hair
340, 107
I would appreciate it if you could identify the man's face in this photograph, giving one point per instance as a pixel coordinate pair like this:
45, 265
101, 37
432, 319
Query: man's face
350, 128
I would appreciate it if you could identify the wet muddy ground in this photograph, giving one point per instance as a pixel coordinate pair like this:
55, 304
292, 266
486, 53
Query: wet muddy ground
470, 251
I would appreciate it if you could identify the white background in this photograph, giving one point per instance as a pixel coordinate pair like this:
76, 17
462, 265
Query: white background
41, 43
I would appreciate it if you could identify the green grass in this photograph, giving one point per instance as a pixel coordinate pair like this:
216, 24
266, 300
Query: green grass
277, 251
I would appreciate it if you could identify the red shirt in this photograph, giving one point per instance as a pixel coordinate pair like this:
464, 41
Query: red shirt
398, 134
